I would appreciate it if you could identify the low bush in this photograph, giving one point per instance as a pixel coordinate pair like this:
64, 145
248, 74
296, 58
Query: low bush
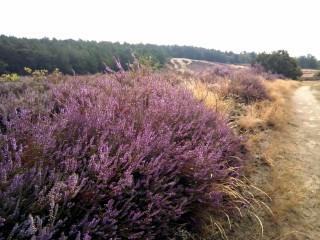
317, 74
247, 86
221, 71
244, 85
258, 69
10, 77
95, 158
280, 62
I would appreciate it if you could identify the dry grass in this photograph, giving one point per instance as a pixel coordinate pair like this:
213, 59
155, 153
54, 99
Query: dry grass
284, 187
250, 123
285, 197
219, 227
263, 123
275, 115
280, 89
252, 119
255, 121
286, 190
316, 88
212, 99
261, 116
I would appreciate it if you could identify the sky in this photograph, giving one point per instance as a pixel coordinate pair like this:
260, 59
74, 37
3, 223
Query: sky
226, 25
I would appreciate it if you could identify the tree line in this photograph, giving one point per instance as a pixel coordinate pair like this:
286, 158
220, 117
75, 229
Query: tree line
308, 61
86, 57
279, 62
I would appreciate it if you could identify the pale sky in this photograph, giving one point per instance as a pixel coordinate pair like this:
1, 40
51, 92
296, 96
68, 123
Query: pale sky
232, 25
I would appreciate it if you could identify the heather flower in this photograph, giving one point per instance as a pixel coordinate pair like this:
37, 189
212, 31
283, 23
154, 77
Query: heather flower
247, 87
93, 158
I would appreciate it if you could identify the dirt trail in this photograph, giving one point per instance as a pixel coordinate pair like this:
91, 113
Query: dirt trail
302, 219
181, 64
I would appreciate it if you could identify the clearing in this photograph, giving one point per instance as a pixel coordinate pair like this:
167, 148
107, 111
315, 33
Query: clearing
185, 65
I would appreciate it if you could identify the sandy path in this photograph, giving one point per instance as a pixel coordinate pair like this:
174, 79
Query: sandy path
303, 219
181, 64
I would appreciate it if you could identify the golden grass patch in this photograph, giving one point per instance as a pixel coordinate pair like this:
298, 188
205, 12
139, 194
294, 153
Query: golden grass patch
280, 92
250, 123
261, 122
279, 89
210, 98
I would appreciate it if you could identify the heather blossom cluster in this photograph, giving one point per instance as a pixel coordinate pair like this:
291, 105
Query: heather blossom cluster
97, 158
245, 85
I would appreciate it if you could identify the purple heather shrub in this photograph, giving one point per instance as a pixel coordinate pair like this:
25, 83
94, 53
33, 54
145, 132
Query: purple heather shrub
92, 158
247, 87
268, 75
221, 71
243, 84
217, 75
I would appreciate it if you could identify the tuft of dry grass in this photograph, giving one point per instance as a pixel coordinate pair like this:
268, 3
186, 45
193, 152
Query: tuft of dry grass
279, 89
250, 123
260, 116
210, 98
273, 113
219, 227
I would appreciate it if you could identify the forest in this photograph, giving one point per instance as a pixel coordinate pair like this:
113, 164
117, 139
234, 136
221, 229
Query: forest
87, 57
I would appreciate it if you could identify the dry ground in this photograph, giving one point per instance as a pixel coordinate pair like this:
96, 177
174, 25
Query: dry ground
291, 177
298, 208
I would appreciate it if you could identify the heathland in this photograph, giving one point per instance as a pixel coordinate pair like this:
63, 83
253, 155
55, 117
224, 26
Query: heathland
197, 150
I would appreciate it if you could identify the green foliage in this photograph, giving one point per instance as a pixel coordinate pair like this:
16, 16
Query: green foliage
3, 66
57, 72
281, 63
28, 70
150, 62
39, 74
85, 57
10, 77
317, 74
308, 61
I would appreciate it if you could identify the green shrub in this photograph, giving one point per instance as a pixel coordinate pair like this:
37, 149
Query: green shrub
281, 63
317, 74
150, 62
10, 77
39, 74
